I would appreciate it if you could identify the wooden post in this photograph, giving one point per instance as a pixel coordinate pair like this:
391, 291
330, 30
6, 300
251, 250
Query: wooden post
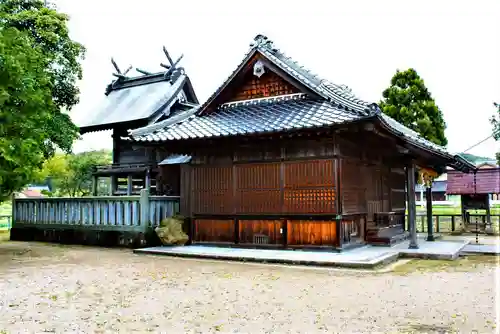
95, 181
129, 184
147, 180
488, 228
13, 216
428, 194
144, 205
114, 185
412, 209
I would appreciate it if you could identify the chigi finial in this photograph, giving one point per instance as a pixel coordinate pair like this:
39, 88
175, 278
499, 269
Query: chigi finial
261, 40
172, 65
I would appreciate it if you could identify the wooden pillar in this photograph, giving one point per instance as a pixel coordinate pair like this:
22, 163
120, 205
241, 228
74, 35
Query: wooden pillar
144, 204
147, 180
113, 185
129, 184
95, 182
428, 194
412, 208
488, 228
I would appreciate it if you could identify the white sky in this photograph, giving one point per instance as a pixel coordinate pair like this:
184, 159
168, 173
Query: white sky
453, 44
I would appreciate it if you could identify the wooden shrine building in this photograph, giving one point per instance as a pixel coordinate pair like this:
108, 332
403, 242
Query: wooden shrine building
278, 157
136, 101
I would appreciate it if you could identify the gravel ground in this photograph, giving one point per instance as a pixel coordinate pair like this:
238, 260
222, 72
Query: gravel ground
52, 288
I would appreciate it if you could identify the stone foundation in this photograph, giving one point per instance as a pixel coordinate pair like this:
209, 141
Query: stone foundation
101, 238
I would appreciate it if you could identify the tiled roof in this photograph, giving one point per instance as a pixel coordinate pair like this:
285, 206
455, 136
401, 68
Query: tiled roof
338, 94
337, 105
256, 116
410, 134
139, 98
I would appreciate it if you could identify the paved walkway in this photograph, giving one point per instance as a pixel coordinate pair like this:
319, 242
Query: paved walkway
363, 257
485, 249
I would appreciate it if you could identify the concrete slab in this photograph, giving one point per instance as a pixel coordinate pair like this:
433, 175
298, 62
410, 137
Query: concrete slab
435, 250
487, 249
362, 257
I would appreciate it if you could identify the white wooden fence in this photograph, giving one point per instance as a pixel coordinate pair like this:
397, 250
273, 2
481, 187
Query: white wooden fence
118, 213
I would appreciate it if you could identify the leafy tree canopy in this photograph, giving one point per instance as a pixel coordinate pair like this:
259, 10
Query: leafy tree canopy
39, 67
71, 174
409, 102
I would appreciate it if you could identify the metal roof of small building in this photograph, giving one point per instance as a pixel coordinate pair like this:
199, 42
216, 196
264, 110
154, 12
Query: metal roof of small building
140, 98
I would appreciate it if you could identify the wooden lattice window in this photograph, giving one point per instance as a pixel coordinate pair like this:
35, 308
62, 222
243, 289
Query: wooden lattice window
309, 187
258, 188
212, 189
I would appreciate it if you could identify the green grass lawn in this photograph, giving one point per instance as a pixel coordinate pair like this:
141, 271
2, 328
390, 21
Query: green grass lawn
446, 210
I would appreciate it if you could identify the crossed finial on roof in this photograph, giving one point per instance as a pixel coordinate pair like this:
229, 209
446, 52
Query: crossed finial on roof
262, 40
119, 73
172, 65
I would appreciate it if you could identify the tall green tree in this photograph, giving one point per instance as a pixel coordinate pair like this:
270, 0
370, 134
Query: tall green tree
495, 122
409, 102
39, 68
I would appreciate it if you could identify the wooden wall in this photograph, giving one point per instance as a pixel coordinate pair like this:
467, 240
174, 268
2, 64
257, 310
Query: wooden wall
265, 187
267, 232
269, 84
301, 176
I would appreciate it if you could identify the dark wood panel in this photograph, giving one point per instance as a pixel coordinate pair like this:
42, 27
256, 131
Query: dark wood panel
212, 189
309, 187
214, 230
258, 188
314, 233
313, 173
269, 84
261, 232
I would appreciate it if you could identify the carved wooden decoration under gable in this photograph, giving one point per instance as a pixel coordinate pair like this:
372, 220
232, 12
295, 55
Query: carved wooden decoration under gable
269, 84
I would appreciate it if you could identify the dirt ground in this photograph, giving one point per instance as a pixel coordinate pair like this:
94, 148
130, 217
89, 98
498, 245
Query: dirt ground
53, 288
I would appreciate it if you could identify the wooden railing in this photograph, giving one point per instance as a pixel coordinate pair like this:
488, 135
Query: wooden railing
115, 166
121, 213
445, 223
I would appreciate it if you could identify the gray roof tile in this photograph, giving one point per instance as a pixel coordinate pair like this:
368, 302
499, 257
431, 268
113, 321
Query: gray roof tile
255, 116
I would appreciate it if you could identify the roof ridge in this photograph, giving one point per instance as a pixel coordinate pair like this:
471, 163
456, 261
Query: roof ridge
336, 93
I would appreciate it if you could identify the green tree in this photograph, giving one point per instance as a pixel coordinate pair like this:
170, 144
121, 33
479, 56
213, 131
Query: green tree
25, 111
409, 102
71, 174
39, 68
49, 31
495, 122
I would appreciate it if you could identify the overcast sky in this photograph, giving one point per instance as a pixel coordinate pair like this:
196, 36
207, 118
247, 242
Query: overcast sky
454, 45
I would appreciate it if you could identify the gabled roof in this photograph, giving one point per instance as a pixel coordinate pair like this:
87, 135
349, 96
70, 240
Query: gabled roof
327, 105
338, 94
139, 100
